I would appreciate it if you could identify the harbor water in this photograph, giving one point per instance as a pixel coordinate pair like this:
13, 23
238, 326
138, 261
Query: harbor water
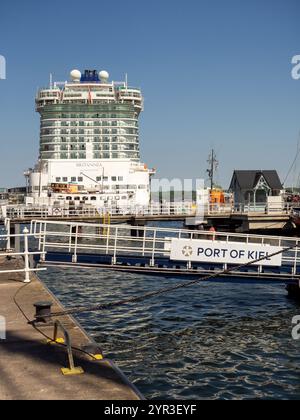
210, 341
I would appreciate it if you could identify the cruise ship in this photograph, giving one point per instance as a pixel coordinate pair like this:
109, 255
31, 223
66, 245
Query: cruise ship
89, 144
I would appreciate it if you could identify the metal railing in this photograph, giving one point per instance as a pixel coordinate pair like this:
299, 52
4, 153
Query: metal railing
7, 251
154, 243
184, 209
26, 212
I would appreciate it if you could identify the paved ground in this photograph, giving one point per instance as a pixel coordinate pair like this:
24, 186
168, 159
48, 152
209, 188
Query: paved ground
30, 369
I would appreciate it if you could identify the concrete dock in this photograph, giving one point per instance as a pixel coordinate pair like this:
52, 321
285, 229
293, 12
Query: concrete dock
30, 368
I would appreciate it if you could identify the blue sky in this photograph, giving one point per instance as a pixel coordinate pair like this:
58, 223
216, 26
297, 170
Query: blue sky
214, 73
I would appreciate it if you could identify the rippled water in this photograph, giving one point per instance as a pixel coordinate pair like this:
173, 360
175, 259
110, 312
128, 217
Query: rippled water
205, 342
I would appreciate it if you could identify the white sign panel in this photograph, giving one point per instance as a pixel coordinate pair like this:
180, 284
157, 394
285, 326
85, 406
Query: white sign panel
224, 253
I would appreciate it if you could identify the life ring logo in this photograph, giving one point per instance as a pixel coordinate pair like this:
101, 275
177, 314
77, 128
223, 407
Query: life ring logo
187, 251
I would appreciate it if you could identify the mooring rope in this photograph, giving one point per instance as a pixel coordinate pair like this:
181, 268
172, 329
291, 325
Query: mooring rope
78, 310
46, 336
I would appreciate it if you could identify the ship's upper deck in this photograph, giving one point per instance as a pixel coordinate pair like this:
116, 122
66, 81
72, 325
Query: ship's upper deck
89, 88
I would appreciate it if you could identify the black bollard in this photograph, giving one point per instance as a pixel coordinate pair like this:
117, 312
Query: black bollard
43, 311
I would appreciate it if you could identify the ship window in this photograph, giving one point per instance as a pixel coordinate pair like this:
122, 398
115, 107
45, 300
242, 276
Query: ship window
68, 198
80, 179
85, 198
93, 198
73, 179
114, 178
58, 179
120, 178
65, 179
98, 178
77, 198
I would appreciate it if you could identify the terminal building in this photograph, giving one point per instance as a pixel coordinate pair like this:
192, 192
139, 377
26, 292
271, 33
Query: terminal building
256, 188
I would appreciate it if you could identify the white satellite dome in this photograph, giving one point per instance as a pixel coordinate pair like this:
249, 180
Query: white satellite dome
104, 76
75, 75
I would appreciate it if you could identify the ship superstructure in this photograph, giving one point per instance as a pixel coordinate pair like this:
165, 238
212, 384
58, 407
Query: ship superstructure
89, 143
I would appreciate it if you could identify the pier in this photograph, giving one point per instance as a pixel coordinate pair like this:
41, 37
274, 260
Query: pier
167, 251
31, 368
41, 358
222, 217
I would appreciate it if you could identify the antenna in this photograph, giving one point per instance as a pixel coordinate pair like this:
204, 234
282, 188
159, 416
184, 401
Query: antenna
126, 80
213, 165
51, 81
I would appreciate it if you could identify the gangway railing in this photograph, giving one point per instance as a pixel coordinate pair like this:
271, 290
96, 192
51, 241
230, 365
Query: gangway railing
154, 243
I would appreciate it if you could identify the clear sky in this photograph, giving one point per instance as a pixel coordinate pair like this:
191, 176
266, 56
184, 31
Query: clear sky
214, 73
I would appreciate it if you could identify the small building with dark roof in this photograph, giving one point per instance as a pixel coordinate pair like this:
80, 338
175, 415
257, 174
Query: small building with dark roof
254, 187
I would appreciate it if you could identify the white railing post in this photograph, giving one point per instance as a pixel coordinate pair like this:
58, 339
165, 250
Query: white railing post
295, 261
114, 259
7, 227
26, 256
152, 262
74, 257
44, 240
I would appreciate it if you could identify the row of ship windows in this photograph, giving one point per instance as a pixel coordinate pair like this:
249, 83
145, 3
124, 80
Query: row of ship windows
105, 94
57, 131
84, 123
102, 101
95, 98
53, 116
104, 187
98, 92
98, 178
96, 147
96, 155
86, 198
62, 116
91, 198
120, 140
